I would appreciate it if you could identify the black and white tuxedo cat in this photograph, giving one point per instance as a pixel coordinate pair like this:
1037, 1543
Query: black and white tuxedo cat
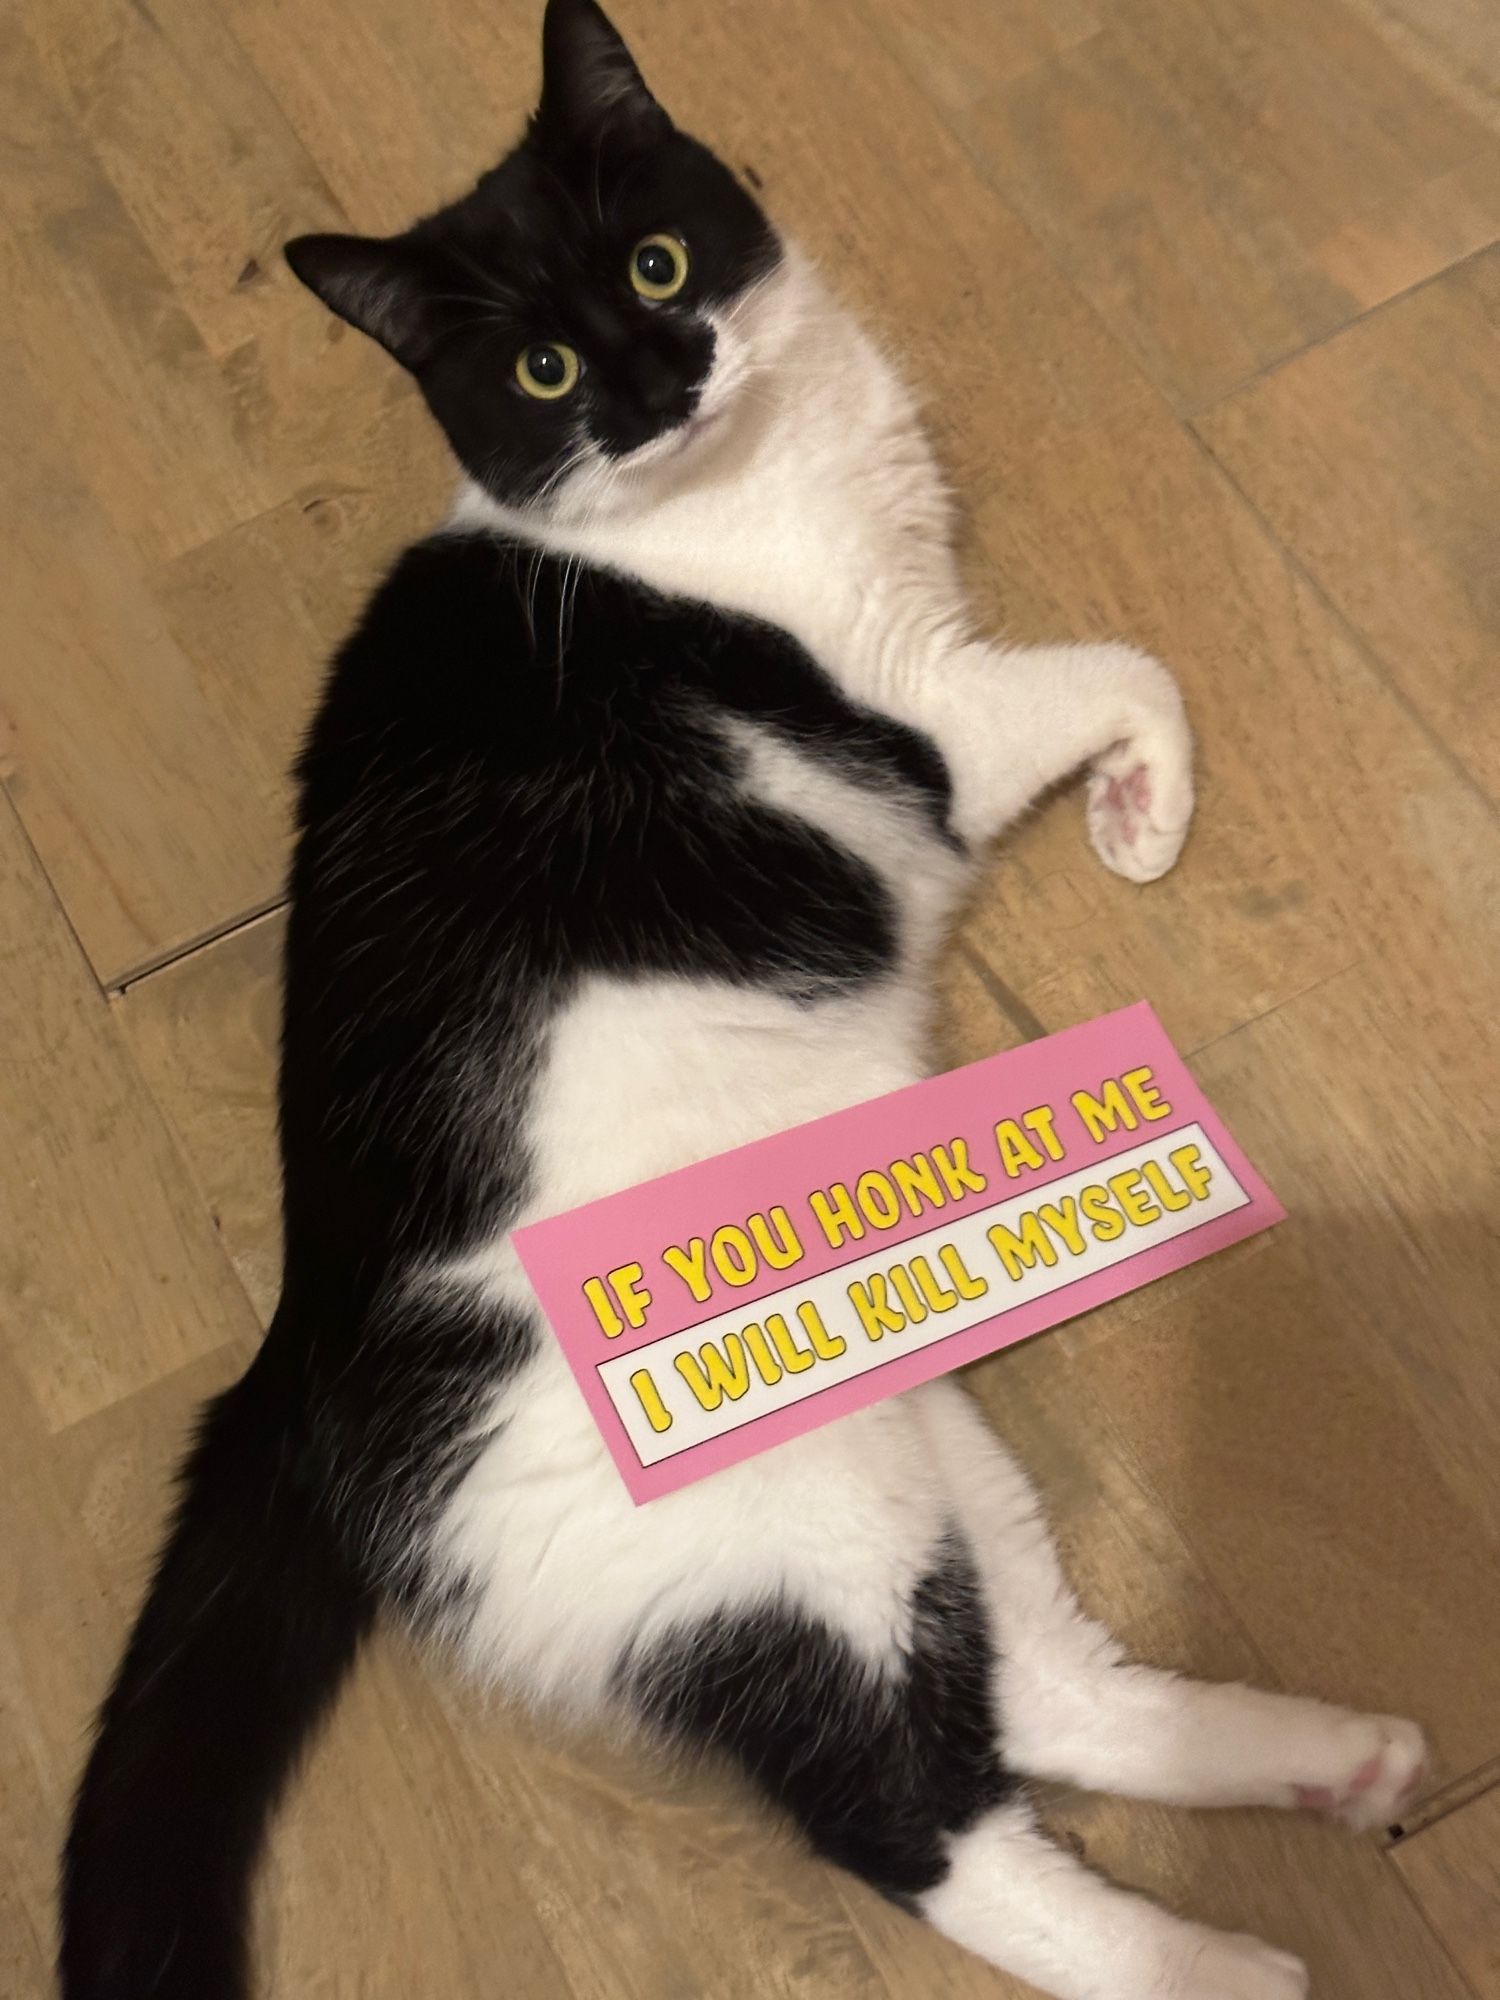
631, 821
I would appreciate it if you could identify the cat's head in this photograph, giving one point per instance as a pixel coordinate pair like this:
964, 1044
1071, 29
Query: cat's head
572, 310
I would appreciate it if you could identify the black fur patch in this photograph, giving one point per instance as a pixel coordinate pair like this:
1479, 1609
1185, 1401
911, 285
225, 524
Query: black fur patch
877, 1772
490, 816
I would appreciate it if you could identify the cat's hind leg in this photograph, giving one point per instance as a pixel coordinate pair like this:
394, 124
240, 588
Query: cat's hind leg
1012, 1897
893, 1772
1075, 1709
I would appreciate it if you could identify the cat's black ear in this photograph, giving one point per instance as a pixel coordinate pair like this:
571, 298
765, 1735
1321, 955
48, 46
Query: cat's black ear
377, 283
589, 77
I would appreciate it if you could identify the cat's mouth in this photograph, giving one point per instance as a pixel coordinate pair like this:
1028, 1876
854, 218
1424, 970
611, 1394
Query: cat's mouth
706, 415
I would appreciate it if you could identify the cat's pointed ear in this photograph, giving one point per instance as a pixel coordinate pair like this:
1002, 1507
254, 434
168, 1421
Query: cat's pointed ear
589, 77
377, 283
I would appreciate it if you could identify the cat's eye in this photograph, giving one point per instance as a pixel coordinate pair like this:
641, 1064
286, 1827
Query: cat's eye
659, 266
547, 369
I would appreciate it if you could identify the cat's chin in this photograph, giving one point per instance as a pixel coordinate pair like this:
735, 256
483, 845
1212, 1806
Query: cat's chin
711, 415
603, 486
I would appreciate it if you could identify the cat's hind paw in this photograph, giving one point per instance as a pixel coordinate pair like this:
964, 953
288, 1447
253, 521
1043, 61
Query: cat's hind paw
1386, 1763
1227, 1965
1140, 802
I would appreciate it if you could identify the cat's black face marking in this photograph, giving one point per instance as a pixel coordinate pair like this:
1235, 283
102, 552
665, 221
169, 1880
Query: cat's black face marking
546, 253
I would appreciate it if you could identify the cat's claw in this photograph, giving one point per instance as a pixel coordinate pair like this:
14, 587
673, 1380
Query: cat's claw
1386, 1764
1140, 802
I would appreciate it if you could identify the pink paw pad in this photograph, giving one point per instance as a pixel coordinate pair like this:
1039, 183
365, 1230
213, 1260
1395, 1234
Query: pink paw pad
1320, 1798
1127, 796
1128, 789
1379, 1788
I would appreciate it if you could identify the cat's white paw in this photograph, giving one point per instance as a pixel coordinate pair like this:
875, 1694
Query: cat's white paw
1384, 1760
1140, 800
1227, 1965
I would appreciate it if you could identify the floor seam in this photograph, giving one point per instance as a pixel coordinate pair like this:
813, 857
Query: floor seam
1266, 1013
1414, 1902
1451, 1798
118, 986
1190, 413
53, 891
1005, 998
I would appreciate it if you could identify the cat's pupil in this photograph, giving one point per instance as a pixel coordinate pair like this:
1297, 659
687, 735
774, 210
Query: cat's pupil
547, 366
655, 264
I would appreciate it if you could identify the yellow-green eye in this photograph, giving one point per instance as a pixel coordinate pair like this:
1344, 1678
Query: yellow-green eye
659, 267
549, 369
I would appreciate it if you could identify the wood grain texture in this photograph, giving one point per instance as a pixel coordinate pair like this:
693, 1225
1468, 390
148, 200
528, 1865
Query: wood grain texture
111, 1274
1374, 460
133, 389
201, 154
1068, 216
1228, 182
153, 813
1455, 43
1453, 1870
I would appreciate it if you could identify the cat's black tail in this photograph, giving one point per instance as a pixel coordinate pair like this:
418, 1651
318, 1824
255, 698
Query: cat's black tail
252, 1620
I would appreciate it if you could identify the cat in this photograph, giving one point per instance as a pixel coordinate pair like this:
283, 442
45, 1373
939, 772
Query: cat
630, 824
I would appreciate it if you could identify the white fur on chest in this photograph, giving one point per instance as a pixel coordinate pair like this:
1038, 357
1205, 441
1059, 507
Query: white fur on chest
817, 505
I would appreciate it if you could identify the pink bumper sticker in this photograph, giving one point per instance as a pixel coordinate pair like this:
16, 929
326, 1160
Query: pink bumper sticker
735, 1304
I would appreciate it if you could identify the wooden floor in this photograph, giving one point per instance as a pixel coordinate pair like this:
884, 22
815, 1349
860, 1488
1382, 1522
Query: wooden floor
1205, 302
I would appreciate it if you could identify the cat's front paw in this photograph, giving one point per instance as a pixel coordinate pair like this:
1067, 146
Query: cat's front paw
1140, 792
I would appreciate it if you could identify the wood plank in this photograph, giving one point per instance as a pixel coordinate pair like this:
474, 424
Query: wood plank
938, 48
1379, 255
204, 1032
132, 388
157, 815
430, 1876
1228, 182
313, 404
112, 1273
179, 440
1456, 43
201, 155
151, 775
1453, 1870
56, 1641
1373, 459
260, 609
441, 93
